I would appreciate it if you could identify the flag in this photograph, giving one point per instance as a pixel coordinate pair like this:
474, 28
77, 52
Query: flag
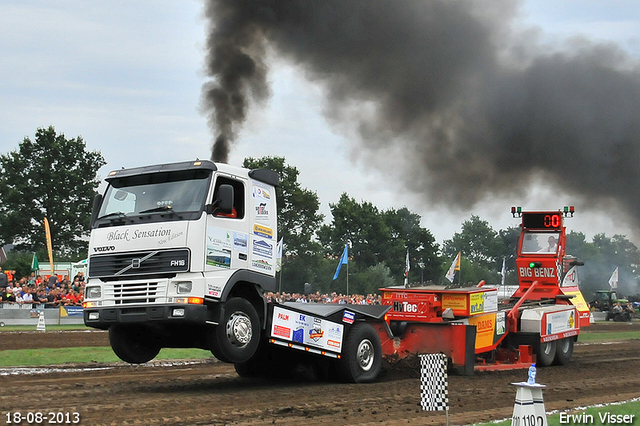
504, 271
407, 266
47, 232
279, 256
613, 281
343, 259
34, 263
455, 266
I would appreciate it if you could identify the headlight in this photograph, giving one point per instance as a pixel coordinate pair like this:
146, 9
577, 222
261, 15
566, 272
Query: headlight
93, 292
183, 287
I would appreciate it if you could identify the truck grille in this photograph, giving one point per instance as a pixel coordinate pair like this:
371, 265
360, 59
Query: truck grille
139, 263
135, 293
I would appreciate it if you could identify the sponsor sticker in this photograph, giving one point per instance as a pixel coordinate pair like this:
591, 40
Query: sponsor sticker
298, 335
316, 333
261, 203
213, 290
348, 317
261, 193
262, 248
281, 331
263, 231
240, 242
219, 243
306, 329
476, 302
262, 265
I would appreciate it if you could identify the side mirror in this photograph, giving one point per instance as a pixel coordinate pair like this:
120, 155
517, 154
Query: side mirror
223, 204
97, 201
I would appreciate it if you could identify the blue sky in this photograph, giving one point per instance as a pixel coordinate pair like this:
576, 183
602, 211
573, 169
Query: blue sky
127, 77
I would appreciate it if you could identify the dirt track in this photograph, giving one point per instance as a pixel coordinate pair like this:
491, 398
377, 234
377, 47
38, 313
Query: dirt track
211, 393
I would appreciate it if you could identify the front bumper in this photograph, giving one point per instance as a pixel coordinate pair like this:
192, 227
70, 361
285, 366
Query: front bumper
169, 314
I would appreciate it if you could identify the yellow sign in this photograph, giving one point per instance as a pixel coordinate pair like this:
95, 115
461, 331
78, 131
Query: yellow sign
485, 329
476, 303
263, 231
578, 300
457, 302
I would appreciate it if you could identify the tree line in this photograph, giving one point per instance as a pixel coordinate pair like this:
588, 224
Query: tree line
56, 177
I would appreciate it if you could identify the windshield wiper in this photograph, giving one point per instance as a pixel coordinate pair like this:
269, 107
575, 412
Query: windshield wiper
119, 214
157, 209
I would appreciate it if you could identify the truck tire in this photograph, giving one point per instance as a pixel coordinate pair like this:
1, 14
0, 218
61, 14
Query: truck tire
546, 353
361, 359
237, 337
564, 350
133, 344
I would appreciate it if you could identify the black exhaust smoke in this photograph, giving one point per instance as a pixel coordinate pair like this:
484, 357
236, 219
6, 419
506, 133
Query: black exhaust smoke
470, 106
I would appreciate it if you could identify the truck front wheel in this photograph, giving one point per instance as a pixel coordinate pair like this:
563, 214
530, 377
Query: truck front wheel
237, 336
133, 344
361, 355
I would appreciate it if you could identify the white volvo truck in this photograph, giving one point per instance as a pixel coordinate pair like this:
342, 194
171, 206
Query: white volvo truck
180, 255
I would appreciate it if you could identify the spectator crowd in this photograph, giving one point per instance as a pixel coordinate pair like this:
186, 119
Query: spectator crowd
51, 292
354, 299
35, 290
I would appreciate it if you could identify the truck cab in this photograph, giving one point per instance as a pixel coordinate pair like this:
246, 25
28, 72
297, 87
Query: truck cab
180, 255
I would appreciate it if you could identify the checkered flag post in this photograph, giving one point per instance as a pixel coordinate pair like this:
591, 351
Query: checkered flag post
434, 385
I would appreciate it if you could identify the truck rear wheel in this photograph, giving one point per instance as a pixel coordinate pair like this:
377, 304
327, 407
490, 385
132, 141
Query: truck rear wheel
564, 350
237, 336
133, 344
546, 353
361, 355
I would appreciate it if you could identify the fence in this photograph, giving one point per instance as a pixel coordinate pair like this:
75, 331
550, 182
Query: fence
27, 314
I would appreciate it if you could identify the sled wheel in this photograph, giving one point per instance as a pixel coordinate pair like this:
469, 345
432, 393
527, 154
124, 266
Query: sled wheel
564, 350
133, 344
546, 353
237, 336
361, 355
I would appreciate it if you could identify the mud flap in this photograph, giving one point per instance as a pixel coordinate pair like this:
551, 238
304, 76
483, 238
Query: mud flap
469, 352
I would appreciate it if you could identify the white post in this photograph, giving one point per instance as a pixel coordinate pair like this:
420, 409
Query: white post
41, 322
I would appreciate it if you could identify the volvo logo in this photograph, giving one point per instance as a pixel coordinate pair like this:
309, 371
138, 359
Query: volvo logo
104, 248
135, 263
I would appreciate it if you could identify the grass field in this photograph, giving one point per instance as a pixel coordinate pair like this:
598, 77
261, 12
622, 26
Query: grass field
44, 357
47, 357
595, 416
52, 327
588, 337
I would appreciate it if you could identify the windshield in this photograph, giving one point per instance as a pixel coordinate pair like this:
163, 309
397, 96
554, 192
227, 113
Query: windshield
178, 192
540, 242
